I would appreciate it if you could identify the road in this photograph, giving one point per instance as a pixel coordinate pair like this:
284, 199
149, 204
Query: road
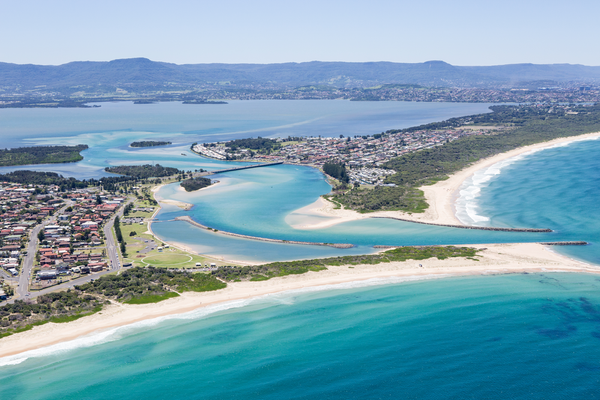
112, 252
112, 248
25, 276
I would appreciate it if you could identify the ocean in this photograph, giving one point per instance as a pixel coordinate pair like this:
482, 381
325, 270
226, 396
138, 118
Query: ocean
532, 336
556, 188
508, 336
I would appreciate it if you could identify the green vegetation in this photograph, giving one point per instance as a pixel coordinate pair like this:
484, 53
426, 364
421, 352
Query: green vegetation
151, 298
263, 145
143, 171
149, 143
41, 155
53, 307
363, 200
170, 257
268, 271
43, 178
528, 125
135, 286
195, 184
166, 259
140, 284
110, 184
337, 171
150, 285
119, 236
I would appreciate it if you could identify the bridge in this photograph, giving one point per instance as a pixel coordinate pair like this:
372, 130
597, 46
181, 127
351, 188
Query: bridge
219, 171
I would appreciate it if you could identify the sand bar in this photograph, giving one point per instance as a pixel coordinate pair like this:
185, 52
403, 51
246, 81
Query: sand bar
497, 258
440, 196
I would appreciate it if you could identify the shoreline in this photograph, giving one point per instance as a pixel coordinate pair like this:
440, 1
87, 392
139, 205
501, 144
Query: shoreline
441, 196
494, 259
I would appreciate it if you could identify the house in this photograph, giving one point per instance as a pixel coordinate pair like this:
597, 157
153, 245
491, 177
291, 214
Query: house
46, 275
96, 266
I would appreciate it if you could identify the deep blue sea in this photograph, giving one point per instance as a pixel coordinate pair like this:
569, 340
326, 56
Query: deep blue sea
530, 336
522, 336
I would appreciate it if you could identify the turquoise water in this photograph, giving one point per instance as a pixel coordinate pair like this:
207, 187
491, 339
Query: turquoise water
258, 202
491, 337
494, 337
109, 129
556, 188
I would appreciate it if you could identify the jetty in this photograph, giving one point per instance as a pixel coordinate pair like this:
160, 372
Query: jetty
188, 219
575, 243
483, 228
220, 171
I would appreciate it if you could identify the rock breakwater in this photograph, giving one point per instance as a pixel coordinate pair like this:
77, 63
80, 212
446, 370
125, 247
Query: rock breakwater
199, 225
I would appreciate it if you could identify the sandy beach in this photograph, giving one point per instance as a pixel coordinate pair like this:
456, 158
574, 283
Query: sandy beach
495, 259
181, 204
440, 196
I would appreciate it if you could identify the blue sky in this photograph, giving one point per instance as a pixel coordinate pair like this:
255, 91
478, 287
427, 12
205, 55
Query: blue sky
461, 32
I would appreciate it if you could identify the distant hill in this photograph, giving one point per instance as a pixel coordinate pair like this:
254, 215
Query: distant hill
141, 72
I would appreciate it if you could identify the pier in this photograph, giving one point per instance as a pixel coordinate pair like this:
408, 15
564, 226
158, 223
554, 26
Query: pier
483, 228
220, 171
191, 221
576, 243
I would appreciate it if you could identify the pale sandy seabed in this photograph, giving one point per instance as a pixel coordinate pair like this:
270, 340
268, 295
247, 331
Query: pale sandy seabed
494, 259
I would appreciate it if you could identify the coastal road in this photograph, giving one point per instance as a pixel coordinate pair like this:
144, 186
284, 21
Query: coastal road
25, 276
111, 251
66, 285
112, 248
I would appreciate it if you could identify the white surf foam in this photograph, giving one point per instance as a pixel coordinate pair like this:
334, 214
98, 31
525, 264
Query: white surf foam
468, 210
113, 334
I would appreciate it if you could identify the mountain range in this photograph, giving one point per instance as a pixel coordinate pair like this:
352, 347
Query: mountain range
144, 72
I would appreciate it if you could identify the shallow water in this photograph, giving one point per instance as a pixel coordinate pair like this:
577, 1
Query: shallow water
496, 337
556, 188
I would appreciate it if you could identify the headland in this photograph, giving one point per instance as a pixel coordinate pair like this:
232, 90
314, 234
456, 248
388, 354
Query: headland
441, 196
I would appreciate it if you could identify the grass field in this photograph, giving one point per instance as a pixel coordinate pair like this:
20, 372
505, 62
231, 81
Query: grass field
169, 257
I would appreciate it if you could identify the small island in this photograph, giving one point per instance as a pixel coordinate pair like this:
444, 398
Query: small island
204, 102
149, 143
41, 155
193, 184
143, 171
